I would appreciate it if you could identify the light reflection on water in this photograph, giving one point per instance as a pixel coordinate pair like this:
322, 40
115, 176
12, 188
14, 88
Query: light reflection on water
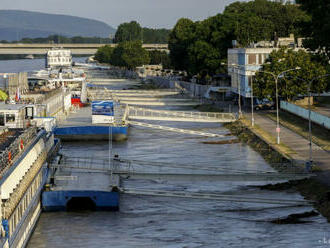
170, 222
167, 222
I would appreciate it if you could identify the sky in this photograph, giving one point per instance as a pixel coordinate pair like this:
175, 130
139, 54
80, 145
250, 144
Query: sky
149, 13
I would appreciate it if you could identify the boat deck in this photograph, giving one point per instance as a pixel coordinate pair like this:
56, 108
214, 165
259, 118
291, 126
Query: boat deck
82, 117
82, 186
70, 179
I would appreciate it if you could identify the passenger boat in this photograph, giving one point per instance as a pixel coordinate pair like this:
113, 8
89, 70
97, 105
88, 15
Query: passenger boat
23, 173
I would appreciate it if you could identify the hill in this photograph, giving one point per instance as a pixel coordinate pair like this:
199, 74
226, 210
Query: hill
17, 24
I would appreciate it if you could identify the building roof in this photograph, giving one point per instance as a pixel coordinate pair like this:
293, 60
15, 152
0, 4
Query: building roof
4, 106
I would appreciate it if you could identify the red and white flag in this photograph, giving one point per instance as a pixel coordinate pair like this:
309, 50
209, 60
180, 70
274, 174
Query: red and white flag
17, 96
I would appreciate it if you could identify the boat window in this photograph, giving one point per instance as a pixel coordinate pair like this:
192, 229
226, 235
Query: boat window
2, 119
10, 118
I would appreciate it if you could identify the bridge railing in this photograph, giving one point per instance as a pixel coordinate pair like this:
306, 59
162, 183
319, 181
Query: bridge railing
135, 111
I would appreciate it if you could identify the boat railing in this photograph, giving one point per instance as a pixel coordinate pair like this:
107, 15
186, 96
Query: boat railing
8, 156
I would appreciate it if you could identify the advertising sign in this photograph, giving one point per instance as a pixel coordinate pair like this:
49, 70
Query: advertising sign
102, 108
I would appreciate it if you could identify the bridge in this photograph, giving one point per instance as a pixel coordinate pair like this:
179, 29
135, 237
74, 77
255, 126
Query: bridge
76, 49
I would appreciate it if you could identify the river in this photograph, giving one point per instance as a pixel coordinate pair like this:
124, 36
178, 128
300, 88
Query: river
148, 221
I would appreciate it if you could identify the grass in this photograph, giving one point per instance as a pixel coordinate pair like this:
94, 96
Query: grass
320, 135
270, 139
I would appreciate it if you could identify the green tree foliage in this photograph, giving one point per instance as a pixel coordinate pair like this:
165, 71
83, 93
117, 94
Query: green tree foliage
103, 54
160, 57
203, 57
195, 46
129, 54
155, 36
292, 83
182, 35
131, 31
319, 29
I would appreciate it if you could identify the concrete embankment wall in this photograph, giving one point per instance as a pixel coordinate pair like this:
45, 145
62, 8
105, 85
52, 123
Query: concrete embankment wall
302, 112
194, 90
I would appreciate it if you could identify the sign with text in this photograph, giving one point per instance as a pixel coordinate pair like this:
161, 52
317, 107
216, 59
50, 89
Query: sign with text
102, 108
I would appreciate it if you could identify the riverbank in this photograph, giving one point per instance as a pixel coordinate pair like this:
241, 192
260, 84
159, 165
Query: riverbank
313, 189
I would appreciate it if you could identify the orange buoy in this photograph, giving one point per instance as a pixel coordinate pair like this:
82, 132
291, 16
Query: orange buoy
9, 156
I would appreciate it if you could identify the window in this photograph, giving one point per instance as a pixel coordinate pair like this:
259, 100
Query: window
261, 61
10, 118
252, 59
2, 119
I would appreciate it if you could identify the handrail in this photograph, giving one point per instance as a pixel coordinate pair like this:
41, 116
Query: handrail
16, 147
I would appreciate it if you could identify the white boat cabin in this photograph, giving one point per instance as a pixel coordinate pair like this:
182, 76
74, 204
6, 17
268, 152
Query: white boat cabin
16, 115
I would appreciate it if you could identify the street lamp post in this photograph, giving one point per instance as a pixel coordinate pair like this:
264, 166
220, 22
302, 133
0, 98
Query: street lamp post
252, 107
276, 77
309, 114
236, 66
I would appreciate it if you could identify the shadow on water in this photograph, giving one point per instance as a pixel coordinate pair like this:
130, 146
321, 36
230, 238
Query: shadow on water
76, 204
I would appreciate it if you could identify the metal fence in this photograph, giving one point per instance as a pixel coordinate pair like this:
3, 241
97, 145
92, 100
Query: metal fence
8, 156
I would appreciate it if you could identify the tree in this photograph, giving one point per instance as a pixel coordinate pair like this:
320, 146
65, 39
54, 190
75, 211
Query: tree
319, 27
197, 46
103, 54
155, 36
182, 35
131, 31
292, 83
160, 57
129, 54
203, 57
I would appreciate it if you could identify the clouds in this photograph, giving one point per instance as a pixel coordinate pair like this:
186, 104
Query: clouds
151, 13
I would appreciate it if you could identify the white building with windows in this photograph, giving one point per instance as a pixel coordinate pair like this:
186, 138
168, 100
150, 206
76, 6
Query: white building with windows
242, 66
243, 63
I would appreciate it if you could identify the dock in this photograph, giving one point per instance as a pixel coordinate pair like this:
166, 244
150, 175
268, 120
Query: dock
79, 126
71, 189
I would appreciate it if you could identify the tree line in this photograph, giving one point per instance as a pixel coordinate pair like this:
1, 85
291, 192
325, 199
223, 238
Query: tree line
201, 46
132, 31
131, 54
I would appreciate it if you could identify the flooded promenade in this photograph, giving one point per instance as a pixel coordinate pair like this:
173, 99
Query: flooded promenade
149, 221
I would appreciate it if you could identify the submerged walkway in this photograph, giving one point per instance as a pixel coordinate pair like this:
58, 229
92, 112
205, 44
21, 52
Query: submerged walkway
298, 144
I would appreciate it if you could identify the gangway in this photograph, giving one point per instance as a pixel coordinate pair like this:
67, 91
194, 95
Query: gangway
215, 196
137, 113
177, 130
128, 169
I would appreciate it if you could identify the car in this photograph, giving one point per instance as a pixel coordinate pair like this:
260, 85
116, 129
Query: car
264, 104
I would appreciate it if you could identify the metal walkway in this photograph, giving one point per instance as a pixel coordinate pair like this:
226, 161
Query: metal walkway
136, 113
173, 129
213, 196
127, 169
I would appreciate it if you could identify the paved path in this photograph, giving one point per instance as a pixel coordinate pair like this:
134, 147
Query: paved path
297, 143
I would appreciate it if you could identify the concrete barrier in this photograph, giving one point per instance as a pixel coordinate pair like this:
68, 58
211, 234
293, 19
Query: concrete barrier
194, 90
302, 112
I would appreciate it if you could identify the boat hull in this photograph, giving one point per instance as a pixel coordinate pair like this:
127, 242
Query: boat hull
59, 200
78, 133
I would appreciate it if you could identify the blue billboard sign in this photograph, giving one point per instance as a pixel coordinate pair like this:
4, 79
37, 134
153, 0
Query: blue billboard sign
102, 108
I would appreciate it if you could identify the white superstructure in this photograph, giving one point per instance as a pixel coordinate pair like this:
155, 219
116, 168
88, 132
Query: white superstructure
58, 58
